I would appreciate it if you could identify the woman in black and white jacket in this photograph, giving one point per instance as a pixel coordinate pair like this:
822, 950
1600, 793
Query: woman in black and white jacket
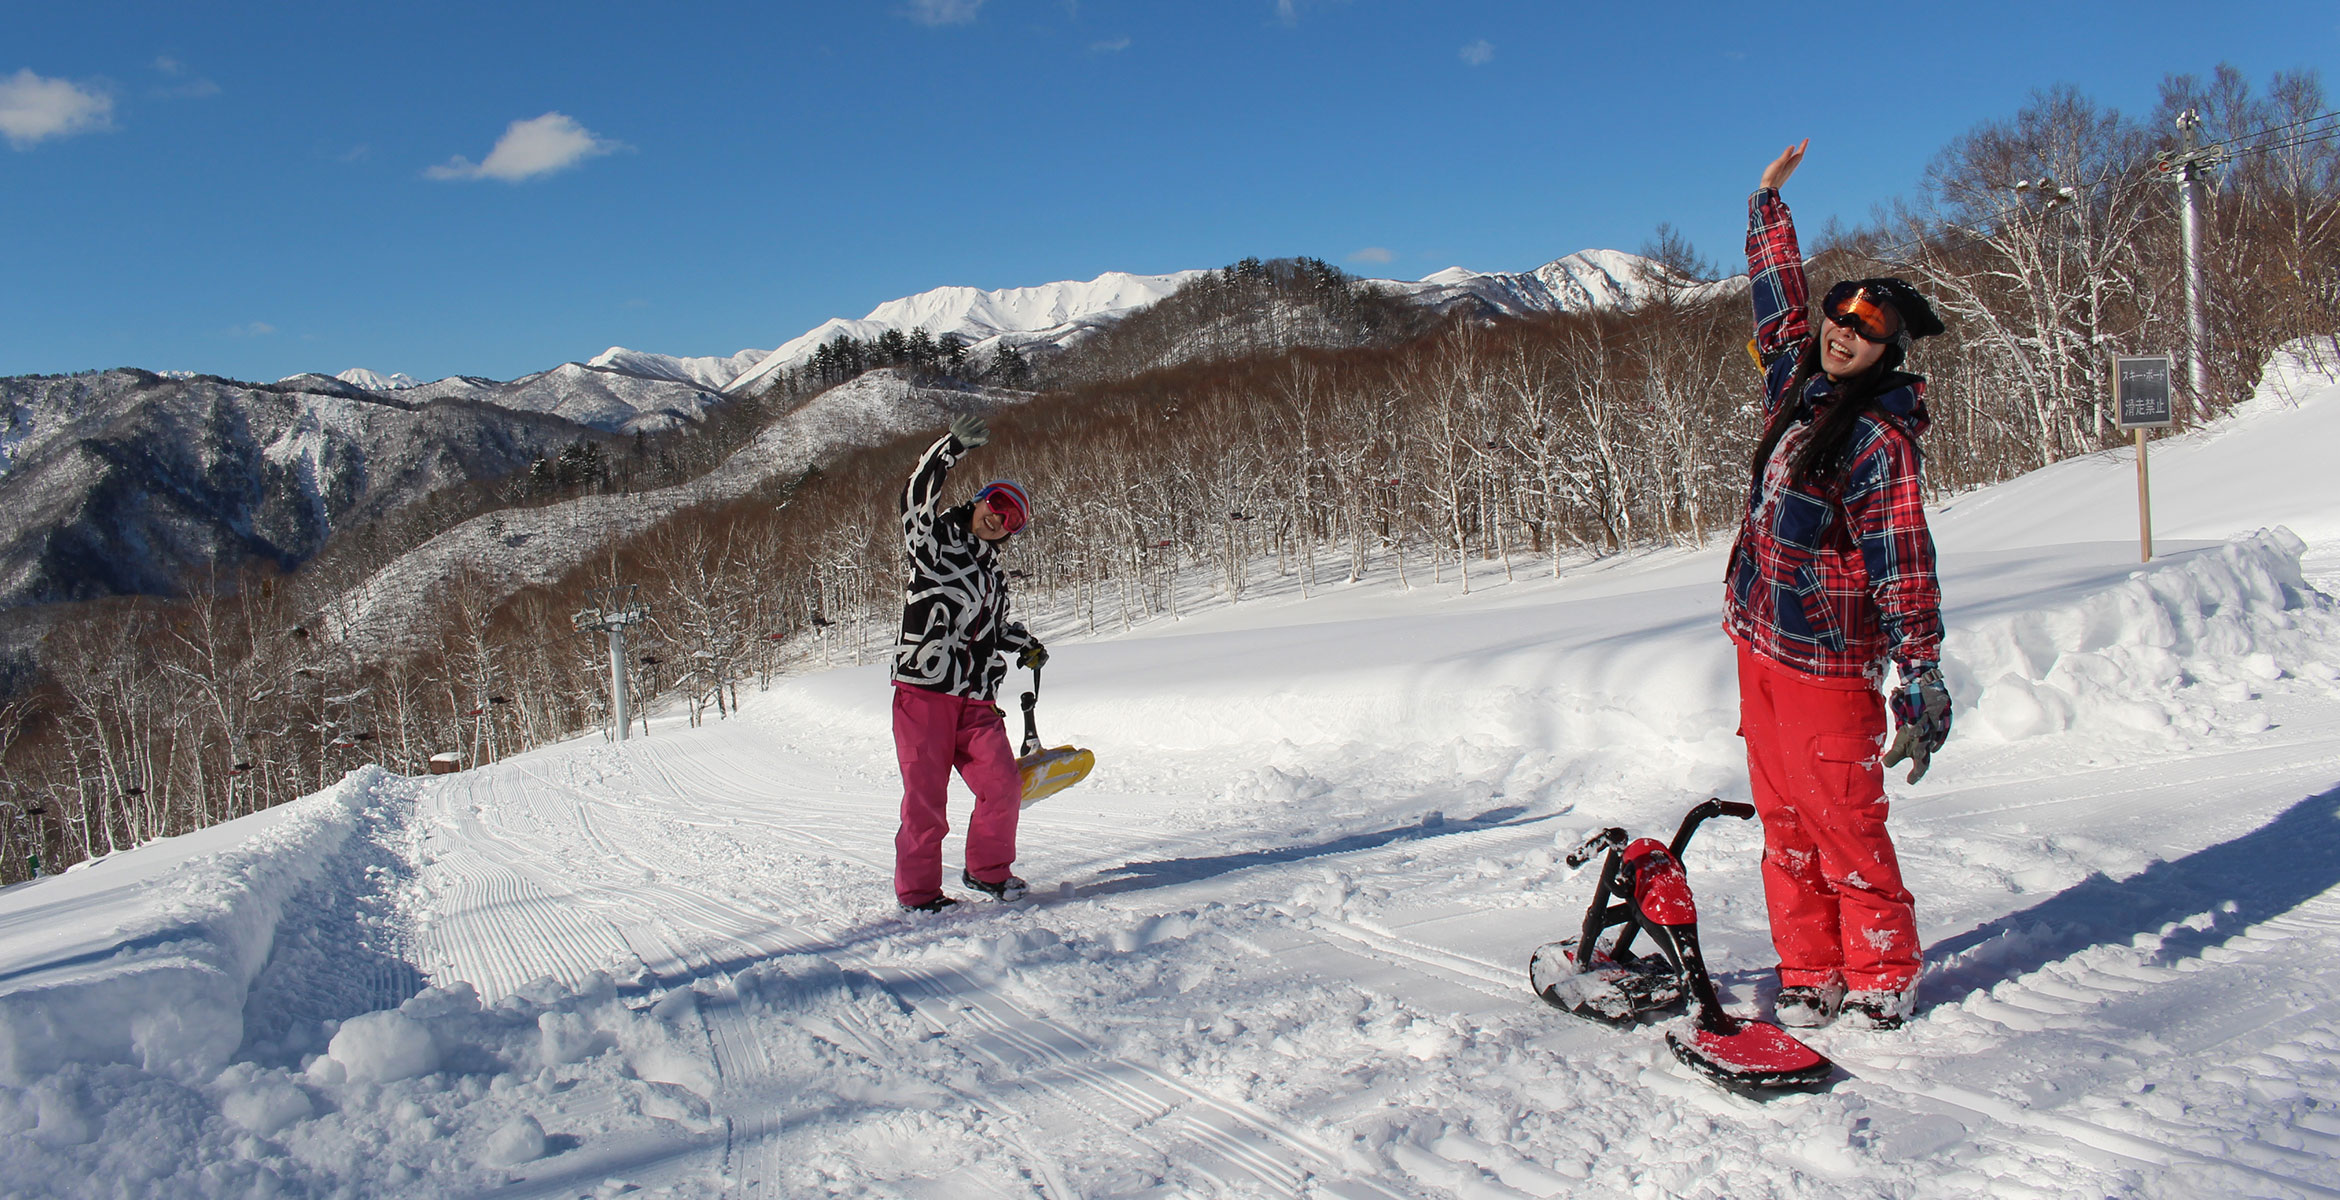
947, 669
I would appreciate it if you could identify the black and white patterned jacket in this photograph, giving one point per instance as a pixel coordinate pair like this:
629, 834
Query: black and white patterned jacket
954, 608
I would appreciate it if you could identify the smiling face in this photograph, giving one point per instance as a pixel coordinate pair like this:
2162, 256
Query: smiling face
988, 524
1844, 353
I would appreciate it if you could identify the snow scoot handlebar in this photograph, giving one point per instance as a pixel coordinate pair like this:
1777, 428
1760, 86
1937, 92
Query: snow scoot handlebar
1642, 887
1031, 704
1046, 772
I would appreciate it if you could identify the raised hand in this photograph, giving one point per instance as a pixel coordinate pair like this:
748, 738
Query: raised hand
970, 430
1776, 175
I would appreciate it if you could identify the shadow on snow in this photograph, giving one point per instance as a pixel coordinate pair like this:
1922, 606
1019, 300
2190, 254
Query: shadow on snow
2211, 896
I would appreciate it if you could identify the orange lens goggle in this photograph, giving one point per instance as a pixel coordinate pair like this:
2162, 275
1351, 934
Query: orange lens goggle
1858, 309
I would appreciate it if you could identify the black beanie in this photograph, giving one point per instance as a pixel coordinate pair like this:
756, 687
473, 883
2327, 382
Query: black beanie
1917, 316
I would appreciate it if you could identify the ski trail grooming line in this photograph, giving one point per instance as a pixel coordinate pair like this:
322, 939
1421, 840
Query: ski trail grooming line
2109, 1000
1479, 975
1250, 1146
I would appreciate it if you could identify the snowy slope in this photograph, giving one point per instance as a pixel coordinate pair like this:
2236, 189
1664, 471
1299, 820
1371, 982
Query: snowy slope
1277, 942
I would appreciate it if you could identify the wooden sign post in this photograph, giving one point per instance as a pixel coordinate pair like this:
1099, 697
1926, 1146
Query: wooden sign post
2141, 400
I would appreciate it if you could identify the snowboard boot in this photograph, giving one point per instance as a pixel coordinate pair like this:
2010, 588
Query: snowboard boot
1805, 1006
1010, 888
1879, 1010
935, 905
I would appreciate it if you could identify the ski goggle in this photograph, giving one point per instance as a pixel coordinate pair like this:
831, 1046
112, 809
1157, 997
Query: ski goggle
1003, 502
1863, 311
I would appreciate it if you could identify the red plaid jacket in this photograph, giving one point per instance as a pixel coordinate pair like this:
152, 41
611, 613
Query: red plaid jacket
1834, 576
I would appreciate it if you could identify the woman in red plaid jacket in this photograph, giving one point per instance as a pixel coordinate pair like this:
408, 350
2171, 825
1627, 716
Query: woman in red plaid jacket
1832, 575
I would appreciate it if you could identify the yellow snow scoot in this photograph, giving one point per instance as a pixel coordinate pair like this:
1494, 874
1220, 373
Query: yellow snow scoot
1047, 772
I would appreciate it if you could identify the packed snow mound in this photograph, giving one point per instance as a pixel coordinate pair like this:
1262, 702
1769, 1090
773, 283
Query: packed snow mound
2179, 652
163, 988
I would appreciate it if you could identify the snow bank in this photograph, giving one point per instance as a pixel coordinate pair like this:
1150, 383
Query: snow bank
441, 1096
2183, 646
167, 992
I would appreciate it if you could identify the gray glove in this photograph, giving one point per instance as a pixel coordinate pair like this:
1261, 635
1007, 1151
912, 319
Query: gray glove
970, 430
1921, 709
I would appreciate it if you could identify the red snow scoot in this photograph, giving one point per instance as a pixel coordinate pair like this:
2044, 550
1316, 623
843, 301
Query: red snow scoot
1642, 887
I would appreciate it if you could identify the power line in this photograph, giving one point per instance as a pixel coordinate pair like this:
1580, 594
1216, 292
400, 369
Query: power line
1980, 227
2237, 140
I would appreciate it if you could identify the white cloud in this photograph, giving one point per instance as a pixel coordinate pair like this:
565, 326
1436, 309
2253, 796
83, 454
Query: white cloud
1372, 254
538, 146
254, 329
1288, 11
944, 12
34, 109
1478, 52
1110, 46
185, 84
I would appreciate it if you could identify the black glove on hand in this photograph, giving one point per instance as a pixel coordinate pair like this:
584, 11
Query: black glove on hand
1921, 714
1032, 657
970, 430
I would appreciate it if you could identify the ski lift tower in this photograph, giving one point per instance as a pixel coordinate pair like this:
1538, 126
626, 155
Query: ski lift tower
611, 610
2190, 164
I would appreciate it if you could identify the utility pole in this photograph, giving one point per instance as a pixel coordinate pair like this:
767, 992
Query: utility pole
2189, 165
613, 610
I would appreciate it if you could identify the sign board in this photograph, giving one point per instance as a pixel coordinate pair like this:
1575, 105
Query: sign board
2141, 391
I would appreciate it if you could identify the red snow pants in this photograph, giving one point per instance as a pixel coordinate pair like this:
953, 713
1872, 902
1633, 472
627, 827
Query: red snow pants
1830, 877
934, 733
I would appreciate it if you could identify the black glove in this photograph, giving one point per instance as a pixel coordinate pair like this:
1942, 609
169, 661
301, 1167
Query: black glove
970, 430
1032, 657
1921, 714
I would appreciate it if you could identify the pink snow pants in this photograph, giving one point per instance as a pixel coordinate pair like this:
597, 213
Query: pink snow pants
1830, 877
933, 733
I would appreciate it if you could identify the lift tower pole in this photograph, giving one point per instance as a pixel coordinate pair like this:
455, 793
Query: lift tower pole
2189, 165
615, 609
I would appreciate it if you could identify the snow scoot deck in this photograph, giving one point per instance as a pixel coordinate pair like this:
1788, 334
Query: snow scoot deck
1047, 772
1642, 887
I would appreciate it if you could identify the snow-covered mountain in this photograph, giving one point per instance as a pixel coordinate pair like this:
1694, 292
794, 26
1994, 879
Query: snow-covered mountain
375, 381
124, 481
623, 390
1580, 282
1051, 314
603, 398
301, 460
709, 372
508, 550
1055, 315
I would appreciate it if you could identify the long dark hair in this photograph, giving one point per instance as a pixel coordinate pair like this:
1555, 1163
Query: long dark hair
1822, 453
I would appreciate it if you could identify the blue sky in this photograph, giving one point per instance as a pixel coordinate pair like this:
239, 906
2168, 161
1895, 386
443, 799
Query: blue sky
256, 189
